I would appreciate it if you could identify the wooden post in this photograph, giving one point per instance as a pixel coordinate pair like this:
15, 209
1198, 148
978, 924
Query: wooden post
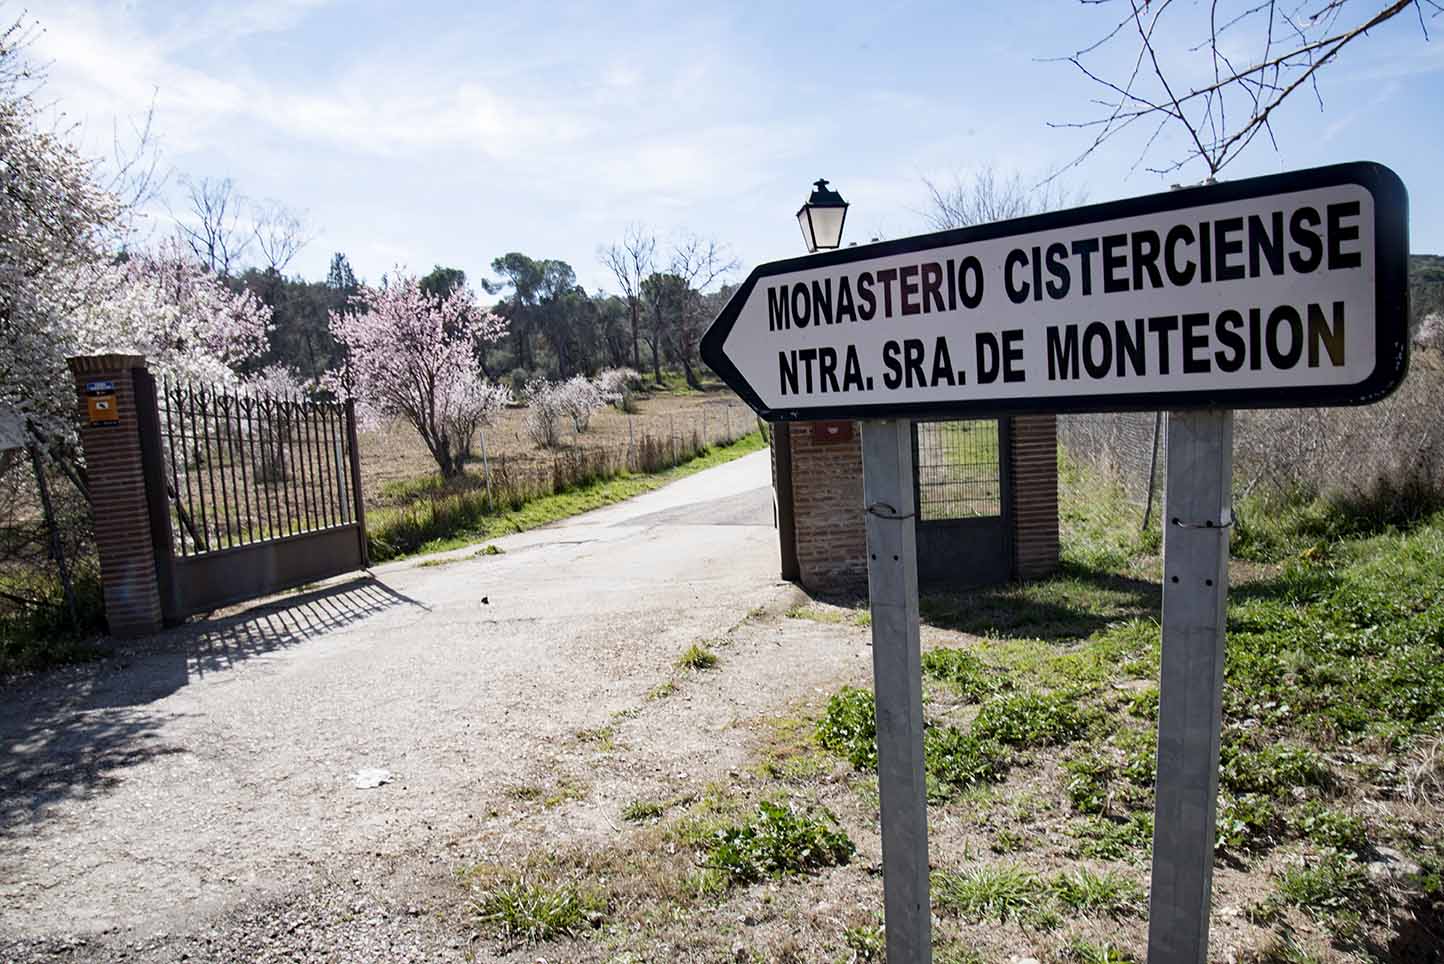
892, 579
1197, 515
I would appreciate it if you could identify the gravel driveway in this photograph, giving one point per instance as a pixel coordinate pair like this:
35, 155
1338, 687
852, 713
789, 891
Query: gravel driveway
196, 797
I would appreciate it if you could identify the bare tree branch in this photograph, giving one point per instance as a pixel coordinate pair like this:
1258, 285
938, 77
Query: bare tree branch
280, 233
213, 233
1292, 41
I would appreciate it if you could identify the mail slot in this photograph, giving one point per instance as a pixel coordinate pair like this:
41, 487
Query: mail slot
831, 433
100, 404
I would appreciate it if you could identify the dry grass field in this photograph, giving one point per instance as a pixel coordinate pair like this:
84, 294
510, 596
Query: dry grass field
395, 454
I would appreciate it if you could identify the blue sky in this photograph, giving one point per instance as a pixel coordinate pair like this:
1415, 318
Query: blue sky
453, 132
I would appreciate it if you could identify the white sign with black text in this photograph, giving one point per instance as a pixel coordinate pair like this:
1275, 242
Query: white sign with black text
1282, 290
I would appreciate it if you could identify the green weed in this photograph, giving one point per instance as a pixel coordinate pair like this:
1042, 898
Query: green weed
1333, 885
849, 727
1129, 838
1085, 952
867, 942
697, 657
967, 675
956, 760
778, 841
1328, 828
1087, 785
1032, 719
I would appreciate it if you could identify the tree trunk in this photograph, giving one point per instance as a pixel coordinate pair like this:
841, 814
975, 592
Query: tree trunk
692, 380
636, 343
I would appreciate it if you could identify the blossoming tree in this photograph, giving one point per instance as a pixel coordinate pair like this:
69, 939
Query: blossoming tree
64, 291
412, 356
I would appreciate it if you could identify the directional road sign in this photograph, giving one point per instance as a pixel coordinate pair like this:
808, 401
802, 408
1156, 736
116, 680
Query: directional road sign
1285, 290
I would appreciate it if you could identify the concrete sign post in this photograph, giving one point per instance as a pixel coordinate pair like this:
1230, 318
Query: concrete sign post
892, 581
1281, 291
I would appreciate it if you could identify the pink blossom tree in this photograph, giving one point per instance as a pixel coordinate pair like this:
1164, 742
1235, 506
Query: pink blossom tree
412, 356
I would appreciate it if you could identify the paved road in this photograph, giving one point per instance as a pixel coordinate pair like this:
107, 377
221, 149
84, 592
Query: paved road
217, 763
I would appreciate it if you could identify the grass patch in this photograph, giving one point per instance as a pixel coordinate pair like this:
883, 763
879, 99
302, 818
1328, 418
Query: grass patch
436, 519
1084, 892
529, 912
662, 690
697, 657
991, 892
639, 811
604, 738
778, 841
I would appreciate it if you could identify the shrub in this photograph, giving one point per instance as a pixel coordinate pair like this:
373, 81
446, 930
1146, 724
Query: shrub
578, 398
778, 841
618, 386
543, 413
849, 727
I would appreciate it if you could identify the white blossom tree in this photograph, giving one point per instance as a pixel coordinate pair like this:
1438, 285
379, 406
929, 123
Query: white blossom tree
414, 357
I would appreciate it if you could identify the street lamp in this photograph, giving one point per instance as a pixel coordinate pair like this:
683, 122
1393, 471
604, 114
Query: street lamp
821, 218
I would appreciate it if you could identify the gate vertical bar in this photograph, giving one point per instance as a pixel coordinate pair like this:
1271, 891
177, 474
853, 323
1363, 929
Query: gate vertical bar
892, 579
360, 502
1190, 702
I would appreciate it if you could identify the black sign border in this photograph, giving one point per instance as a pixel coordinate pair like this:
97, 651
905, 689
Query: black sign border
1391, 307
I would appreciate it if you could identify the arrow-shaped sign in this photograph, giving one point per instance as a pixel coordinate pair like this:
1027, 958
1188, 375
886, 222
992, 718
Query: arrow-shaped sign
1277, 291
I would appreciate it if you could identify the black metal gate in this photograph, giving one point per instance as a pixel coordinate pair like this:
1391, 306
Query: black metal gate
964, 528
249, 494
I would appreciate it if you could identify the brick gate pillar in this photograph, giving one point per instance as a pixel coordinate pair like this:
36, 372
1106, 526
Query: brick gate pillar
110, 437
1033, 464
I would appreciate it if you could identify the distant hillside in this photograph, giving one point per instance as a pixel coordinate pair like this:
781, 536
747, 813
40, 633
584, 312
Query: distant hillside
1426, 284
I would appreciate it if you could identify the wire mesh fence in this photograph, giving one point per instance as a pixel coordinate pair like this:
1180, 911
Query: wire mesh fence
1127, 447
958, 472
242, 469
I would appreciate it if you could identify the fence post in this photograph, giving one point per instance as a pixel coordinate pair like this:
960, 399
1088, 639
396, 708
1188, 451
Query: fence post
672, 436
704, 427
110, 437
358, 500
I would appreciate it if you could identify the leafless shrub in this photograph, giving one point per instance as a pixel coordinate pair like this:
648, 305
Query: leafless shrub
1389, 456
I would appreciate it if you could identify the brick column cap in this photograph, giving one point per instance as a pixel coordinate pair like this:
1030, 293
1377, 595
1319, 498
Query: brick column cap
92, 364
